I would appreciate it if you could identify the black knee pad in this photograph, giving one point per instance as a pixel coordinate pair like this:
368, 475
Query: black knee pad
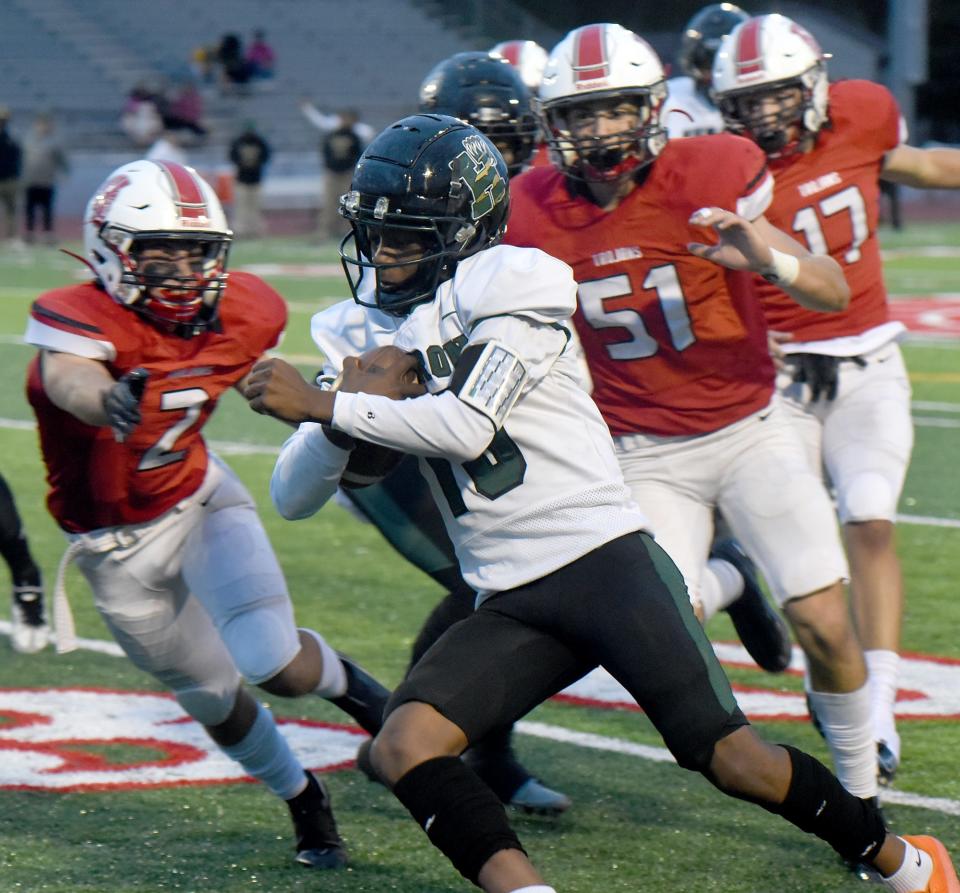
818, 804
463, 818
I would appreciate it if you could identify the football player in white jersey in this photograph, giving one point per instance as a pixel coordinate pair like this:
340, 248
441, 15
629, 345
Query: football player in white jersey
485, 90
524, 470
689, 109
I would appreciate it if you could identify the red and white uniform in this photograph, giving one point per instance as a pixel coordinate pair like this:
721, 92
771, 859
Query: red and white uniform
829, 198
167, 536
676, 345
95, 481
678, 354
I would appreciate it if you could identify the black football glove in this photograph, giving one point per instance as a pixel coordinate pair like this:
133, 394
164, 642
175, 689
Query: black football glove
122, 402
819, 372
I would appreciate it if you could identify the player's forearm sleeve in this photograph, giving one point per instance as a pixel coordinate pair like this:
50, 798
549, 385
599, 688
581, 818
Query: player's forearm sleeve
437, 425
307, 472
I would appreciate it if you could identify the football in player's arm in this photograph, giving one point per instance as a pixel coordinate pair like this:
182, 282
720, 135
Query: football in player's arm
566, 577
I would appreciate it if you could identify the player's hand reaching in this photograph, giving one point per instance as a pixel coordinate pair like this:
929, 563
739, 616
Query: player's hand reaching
740, 247
274, 387
122, 402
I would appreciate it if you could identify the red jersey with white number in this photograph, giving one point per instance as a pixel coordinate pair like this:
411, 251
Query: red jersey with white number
94, 480
829, 198
676, 344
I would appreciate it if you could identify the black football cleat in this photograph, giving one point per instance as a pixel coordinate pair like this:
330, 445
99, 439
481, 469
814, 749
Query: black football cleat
318, 842
494, 761
364, 699
29, 630
761, 629
887, 764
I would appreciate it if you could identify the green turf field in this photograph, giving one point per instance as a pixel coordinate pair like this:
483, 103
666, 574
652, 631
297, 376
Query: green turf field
637, 823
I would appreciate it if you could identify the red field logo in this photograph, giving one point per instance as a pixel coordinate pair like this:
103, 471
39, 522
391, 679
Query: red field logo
95, 740
929, 316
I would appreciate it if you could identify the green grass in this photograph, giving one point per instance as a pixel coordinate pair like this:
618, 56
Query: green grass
635, 824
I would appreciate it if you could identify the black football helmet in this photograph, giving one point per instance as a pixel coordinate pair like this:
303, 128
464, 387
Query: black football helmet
485, 90
702, 36
428, 192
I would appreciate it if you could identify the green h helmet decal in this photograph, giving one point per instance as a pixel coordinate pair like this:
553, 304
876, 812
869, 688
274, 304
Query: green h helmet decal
476, 168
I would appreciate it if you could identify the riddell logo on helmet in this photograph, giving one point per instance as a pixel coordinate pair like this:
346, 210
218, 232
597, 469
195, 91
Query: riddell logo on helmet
106, 196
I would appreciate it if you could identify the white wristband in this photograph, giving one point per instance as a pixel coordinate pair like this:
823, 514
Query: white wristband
784, 268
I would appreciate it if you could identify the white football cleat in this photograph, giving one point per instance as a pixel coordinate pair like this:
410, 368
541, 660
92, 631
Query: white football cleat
30, 632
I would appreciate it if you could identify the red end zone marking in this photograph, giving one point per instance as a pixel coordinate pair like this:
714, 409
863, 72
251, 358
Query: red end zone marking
929, 316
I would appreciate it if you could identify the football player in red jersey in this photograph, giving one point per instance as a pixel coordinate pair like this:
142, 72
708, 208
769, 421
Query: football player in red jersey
677, 347
844, 383
130, 367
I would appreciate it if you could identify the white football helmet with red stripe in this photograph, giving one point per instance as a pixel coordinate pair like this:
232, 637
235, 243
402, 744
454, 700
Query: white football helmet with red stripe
595, 73
143, 211
527, 57
770, 82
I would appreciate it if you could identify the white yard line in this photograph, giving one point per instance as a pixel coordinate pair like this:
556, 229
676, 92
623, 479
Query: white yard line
662, 755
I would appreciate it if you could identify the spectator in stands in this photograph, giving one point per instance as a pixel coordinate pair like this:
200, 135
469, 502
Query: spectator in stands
203, 63
141, 120
185, 110
261, 58
249, 153
43, 163
344, 138
234, 69
10, 160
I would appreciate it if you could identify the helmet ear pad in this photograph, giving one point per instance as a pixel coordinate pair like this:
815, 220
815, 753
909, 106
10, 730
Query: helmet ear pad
430, 179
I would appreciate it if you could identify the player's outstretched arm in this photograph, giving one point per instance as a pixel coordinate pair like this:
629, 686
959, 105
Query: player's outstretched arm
937, 168
77, 385
813, 281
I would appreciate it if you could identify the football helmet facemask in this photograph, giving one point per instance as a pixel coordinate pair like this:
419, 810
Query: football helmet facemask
770, 83
702, 36
156, 237
428, 192
486, 91
600, 101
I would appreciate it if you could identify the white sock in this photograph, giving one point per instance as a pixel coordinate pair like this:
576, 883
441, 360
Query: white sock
845, 719
721, 584
536, 888
883, 669
264, 753
333, 677
914, 872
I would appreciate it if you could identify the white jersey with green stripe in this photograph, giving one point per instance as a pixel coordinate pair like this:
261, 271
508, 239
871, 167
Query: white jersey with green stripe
516, 453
